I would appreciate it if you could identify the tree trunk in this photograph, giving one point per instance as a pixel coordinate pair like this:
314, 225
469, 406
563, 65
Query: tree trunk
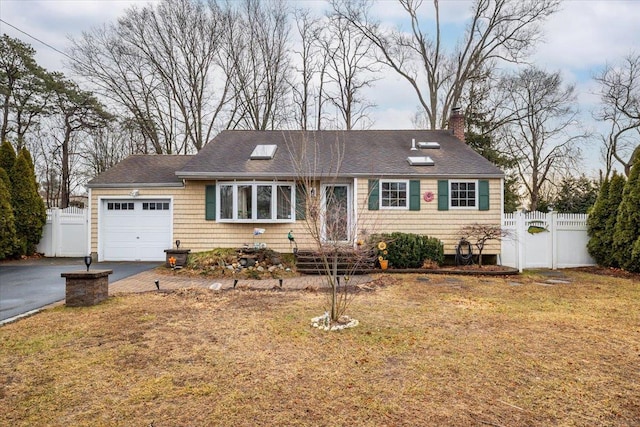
65, 184
334, 287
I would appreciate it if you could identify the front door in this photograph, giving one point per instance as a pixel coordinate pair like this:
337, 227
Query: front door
336, 207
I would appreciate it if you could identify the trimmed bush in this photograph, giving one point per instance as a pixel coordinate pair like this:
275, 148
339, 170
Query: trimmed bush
405, 250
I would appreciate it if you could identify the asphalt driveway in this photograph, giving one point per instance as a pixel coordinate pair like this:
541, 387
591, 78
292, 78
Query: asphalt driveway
27, 285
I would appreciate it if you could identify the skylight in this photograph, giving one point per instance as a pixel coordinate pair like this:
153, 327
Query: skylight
420, 161
264, 152
428, 145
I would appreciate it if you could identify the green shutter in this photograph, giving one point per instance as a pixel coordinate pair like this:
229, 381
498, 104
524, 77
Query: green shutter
443, 195
483, 195
414, 195
301, 202
374, 195
210, 202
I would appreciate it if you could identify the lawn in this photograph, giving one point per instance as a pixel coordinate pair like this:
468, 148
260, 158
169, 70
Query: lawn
446, 351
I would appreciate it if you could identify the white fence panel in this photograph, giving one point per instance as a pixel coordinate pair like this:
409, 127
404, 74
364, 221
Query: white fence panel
65, 233
550, 240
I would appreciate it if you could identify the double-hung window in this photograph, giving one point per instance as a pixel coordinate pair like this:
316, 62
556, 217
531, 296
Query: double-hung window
463, 194
394, 194
256, 202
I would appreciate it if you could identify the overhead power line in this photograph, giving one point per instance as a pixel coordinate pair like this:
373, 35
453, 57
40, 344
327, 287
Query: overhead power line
41, 41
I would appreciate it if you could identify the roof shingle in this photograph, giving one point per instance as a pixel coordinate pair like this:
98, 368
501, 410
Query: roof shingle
143, 170
337, 153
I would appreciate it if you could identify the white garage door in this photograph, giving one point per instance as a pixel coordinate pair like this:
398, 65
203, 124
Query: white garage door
135, 230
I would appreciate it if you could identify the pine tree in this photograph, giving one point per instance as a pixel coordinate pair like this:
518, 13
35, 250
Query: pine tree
28, 207
7, 156
8, 242
596, 225
626, 236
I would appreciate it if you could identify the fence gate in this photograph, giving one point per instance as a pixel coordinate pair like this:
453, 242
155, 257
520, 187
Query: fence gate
65, 233
545, 240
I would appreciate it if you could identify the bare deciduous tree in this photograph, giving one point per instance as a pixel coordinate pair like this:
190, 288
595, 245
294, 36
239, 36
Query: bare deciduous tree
351, 67
309, 66
328, 212
620, 97
500, 30
257, 41
479, 234
164, 66
540, 132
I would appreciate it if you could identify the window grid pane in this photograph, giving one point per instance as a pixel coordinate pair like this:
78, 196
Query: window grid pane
226, 202
264, 202
245, 205
394, 194
463, 194
284, 201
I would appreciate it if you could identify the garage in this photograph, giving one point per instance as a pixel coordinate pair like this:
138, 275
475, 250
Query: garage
135, 229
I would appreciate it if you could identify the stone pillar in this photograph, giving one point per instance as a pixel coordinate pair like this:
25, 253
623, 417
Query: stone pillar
180, 256
85, 288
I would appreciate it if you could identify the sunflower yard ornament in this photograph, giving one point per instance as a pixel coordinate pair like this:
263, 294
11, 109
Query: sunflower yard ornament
382, 253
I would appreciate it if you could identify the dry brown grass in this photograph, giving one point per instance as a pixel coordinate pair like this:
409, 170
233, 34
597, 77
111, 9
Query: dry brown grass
463, 351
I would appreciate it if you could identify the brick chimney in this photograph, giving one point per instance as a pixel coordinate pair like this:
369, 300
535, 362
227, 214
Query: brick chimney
456, 123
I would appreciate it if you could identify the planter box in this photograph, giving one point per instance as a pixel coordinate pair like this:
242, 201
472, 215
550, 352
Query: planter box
179, 254
85, 288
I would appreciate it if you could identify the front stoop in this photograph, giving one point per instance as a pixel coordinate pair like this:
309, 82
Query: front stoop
86, 288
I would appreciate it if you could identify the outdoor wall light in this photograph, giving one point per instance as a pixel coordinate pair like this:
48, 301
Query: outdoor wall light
177, 244
87, 261
135, 193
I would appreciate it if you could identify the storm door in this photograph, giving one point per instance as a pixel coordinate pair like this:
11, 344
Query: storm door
336, 204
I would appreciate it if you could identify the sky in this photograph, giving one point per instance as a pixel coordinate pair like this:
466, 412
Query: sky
579, 40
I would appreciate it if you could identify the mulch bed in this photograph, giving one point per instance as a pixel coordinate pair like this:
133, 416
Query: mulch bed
605, 271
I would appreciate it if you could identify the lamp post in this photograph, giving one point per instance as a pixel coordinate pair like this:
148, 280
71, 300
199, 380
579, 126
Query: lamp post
87, 261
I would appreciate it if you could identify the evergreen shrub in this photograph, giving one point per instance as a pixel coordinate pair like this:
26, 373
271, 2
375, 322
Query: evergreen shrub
407, 250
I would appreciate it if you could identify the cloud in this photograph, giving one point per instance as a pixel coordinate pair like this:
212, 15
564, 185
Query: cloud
53, 22
587, 34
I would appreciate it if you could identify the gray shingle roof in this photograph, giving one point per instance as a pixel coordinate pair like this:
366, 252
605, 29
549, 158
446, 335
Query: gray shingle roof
142, 170
318, 153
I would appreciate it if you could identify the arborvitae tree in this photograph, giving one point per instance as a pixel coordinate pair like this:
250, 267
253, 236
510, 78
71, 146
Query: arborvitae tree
27, 155
596, 225
602, 221
4, 176
8, 241
616, 187
28, 207
7, 156
626, 237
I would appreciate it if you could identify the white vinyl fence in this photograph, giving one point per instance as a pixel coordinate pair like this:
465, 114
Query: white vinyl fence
65, 233
545, 240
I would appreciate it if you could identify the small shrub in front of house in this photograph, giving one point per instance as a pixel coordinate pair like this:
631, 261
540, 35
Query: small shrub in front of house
406, 250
